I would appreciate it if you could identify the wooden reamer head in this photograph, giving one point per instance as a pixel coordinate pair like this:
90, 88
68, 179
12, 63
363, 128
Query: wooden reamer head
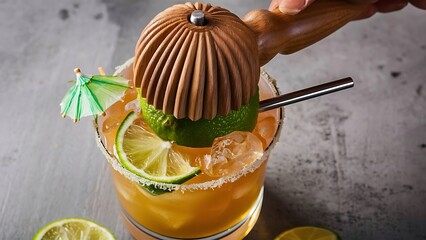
196, 61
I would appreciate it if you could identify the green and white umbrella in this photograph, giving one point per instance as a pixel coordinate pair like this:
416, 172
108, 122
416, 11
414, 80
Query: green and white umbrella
90, 96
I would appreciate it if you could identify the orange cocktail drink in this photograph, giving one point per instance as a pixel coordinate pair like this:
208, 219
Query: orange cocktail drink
205, 206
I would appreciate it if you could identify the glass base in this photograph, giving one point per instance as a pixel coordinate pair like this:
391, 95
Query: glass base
238, 231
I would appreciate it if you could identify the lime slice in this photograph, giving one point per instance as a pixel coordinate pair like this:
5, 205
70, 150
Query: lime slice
308, 233
142, 152
73, 228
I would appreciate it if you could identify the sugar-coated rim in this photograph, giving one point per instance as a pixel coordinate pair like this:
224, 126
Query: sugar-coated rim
115, 163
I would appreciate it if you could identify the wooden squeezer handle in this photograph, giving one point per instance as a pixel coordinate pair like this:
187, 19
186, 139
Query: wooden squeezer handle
280, 33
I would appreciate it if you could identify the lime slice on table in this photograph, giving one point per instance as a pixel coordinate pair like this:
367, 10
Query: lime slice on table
73, 228
308, 233
143, 153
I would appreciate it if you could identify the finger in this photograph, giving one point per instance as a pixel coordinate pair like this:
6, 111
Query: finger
391, 5
292, 7
419, 3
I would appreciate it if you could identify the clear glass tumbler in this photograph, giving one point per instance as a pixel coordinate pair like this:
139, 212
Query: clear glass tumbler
203, 207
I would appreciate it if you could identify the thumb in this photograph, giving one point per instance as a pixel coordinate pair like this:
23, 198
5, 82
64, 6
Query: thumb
292, 7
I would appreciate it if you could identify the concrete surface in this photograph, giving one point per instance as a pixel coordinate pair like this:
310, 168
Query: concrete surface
353, 161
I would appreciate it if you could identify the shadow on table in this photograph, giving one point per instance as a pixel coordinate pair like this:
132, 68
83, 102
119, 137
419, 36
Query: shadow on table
275, 217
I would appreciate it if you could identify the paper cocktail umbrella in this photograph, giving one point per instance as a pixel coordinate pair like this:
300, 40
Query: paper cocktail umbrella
90, 96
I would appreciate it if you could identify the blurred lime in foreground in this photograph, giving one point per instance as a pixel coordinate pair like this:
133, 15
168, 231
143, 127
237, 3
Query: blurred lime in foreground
308, 233
73, 229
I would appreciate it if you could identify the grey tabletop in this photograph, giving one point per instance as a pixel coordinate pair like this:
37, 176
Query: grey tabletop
353, 161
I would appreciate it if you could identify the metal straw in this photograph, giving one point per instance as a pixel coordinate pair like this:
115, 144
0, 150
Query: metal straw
305, 94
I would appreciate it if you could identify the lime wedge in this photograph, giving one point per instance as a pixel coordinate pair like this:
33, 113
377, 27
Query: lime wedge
73, 228
144, 153
308, 233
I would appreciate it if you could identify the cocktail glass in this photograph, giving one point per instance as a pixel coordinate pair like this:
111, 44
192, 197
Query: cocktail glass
203, 207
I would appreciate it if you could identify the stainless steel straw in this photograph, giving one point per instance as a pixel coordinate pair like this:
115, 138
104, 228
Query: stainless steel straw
305, 94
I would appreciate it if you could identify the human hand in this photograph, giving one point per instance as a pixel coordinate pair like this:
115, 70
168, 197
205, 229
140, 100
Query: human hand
292, 7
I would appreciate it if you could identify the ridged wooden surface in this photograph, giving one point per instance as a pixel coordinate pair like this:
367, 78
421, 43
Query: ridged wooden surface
196, 71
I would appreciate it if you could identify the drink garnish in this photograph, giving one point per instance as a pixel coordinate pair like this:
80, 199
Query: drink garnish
143, 153
91, 96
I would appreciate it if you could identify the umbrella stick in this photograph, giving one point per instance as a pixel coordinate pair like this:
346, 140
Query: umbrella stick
101, 71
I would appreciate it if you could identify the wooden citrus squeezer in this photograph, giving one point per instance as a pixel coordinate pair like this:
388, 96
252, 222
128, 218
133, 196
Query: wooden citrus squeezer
199, 61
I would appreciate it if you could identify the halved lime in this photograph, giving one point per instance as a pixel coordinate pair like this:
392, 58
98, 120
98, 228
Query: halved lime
144, 153
202, 132
308, 233
73, 228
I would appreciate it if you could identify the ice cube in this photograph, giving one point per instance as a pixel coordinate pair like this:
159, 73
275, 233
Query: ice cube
265, 129
231, 153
